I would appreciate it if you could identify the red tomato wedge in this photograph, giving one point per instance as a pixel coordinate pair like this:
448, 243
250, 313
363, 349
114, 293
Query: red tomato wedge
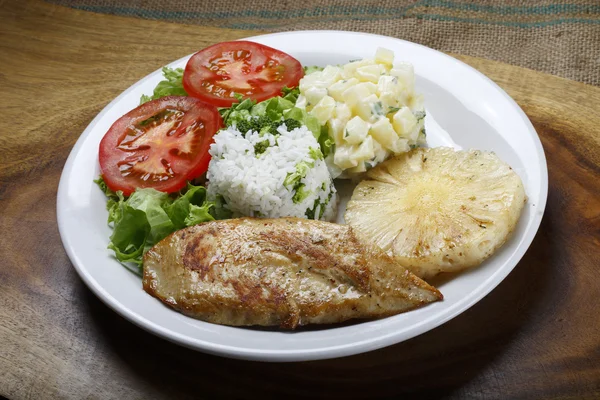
219, 72
161, 144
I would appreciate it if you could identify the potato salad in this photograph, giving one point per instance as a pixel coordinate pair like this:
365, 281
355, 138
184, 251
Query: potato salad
369, 108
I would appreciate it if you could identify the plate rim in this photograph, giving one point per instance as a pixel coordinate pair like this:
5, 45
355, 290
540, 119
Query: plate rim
281, 355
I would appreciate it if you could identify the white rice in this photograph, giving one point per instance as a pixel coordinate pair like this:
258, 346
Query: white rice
253, 185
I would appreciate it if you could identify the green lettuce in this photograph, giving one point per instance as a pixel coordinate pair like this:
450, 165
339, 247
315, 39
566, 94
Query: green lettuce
326, 142
148, 216
291, 94
237, 112
273, 108
305, 118
300, 194
276, 109
172, 85
312, 68
292, 179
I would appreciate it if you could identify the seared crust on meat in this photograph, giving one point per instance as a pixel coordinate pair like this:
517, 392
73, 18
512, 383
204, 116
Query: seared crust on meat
284, 271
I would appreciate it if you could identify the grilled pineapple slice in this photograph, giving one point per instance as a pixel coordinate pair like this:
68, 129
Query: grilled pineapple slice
438, 210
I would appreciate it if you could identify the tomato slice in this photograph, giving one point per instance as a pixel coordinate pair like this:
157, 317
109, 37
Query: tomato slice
161, 144
219, 72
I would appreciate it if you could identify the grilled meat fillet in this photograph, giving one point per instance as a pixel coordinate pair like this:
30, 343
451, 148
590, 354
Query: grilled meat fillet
284, 271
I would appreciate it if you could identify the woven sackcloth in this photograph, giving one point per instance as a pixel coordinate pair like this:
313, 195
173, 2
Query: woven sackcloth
554, 36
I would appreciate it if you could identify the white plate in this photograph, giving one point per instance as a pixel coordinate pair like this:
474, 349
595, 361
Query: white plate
464, 109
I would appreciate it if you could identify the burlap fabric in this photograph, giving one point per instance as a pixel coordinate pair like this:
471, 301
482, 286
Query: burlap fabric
559, 37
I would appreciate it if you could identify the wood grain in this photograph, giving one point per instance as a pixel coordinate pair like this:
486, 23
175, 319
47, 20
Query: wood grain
535, 336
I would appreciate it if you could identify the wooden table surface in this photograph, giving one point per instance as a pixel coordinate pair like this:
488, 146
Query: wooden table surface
535, 336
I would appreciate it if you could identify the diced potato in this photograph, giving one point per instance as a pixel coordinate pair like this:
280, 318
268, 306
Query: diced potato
342, 112
384, 56
406, 75
400, 145
330, 74
356, 93
334, 170
370, 86
377, 111
324, 109
416, 103
342, 156
414, 133
305, 82
369, 73
364, 152
381, 154
313, 96
336, 130
383, 132
301, 101
369, 108
404, 122
388, 84
356, 130
358, 169
336, 89
308, 81
321, 79
390, 102
349, 70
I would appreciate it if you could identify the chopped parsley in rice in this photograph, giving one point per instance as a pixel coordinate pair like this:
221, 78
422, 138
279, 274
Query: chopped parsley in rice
275, 173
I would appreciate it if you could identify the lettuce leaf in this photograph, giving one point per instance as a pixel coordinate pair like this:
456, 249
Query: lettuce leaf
291, 94
172, 85
312, 68
199, 214
321, 133
237, 112
276, 109
179, 211
148, 216
273, 108
326, 142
